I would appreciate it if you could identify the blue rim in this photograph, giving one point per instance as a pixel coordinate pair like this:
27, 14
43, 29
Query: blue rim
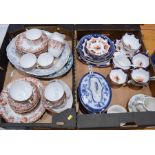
89, 36
89, 109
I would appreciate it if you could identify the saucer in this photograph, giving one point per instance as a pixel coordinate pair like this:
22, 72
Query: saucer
12, 117
94, 92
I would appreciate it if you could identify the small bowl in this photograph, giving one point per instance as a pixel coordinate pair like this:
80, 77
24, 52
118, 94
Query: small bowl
116, 109
118, 76
45, 60
140, 76
28, 61
130, 42
121, 61
54, 93
20, 91
33, 34
140, 61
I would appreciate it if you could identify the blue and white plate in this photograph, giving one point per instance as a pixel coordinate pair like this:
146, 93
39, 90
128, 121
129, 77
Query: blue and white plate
94, 92
85, 57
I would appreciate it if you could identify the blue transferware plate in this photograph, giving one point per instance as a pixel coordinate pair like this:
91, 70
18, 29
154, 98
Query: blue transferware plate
94, 92
82, 52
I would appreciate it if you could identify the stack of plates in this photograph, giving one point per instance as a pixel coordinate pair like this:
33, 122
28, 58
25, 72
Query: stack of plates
60, 66
94, 92
101, 60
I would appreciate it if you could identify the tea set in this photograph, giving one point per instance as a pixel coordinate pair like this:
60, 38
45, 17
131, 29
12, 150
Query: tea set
130, 66
40, 53
48, 55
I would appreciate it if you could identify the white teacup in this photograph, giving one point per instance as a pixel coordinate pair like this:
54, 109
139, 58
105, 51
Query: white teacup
20, 90
28, 61
54, 91
45, 60
149, 103
33, 34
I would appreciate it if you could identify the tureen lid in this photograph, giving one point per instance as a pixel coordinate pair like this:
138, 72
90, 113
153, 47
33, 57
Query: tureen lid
94, 92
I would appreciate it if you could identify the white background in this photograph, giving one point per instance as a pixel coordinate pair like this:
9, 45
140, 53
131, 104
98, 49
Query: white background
77, 142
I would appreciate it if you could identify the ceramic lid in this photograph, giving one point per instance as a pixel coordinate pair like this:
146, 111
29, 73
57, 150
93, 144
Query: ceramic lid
94, 92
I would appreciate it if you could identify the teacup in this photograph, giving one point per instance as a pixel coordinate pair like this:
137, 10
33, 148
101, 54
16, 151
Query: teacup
121, 61
45, 60
28, 61
54, 93
118, 76
20, 90
140, 61
33, 34
140, 76
116, 109
130, 42
149, 103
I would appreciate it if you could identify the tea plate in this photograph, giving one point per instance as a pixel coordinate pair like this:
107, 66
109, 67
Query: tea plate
94, 92
57, 65
10, 116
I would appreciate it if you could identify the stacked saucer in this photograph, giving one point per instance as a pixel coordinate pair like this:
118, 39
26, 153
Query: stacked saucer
22, 101
40, 53
95, 49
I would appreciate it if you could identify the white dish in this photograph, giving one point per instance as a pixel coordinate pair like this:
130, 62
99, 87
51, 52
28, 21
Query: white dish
118, 76
140, 75
33, 34
54, 91
121, 61
20, 90
45, 60
130, 42
140, 60
116, 109
28, 61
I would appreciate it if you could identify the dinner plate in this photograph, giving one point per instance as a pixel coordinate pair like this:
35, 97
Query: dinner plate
94, 92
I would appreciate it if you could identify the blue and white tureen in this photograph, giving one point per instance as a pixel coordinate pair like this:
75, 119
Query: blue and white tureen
94, 92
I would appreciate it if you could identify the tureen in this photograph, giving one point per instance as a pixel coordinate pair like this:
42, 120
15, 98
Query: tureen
118, 76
